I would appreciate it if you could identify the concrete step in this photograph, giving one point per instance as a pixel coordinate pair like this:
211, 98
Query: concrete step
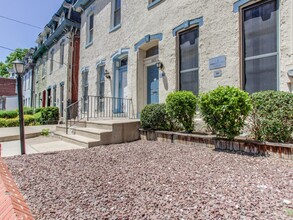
78, 139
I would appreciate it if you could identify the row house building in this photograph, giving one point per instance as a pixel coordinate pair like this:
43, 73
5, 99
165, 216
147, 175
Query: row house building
57, 60
143, 50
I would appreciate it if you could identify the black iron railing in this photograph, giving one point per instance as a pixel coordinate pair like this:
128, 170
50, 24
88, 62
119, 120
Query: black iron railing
91, 107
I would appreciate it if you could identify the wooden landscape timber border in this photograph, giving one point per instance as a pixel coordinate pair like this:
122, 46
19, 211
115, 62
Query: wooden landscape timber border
240, 144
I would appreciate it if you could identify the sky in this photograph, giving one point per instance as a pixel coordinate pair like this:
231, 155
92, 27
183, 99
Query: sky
35, 12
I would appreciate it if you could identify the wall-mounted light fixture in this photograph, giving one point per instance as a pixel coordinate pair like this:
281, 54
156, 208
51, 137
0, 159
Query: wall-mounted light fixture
107, 74
290, 73
160, 65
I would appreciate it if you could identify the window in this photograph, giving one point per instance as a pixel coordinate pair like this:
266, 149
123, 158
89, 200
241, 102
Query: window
260, 46
44, 66
153, 3
54, 96
51, 61
62, 45
188, 59
90, 32
116, 8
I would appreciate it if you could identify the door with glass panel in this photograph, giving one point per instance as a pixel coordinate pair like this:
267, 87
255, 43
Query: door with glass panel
188, 60
101, 88
152, 84
260, 46
85, 91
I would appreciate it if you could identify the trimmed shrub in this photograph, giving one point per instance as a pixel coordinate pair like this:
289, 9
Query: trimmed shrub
29, 120
37, 110
12, 122
49, 115
37, 117
181, 106
3, 122
272, 116
155, 117
225, 109
8, 114
28, 111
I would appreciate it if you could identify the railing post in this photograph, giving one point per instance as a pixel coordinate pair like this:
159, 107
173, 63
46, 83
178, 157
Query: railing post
88, 108
66, 121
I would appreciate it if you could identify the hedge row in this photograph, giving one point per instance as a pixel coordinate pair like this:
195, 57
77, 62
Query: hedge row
49, 115
226, 110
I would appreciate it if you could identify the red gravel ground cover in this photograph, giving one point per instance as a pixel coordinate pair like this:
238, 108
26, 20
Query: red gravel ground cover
152, 180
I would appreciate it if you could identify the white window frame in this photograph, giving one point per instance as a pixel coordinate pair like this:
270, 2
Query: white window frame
113, 7
88, 30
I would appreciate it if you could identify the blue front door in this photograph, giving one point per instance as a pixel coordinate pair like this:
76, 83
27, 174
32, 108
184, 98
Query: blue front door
152, 84
121, 86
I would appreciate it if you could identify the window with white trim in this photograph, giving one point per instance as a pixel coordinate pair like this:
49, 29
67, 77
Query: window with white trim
90, 30
259, 22
116, 13
51, 61
188, 60
62, 45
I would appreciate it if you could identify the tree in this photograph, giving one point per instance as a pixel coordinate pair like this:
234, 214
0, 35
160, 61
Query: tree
3, 70
17, 54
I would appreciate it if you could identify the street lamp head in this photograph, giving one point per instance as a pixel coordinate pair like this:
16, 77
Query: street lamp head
18, 67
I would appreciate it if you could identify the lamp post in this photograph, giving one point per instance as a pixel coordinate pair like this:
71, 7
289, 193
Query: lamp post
18, 67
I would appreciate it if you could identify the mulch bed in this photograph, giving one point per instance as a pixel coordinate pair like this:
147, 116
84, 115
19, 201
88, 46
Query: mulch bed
152, 180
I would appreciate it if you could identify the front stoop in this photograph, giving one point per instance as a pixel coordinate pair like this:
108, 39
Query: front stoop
100, 132
12, 203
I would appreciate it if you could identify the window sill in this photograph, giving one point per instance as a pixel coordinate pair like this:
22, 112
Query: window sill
153, 4
88, 45
115, 28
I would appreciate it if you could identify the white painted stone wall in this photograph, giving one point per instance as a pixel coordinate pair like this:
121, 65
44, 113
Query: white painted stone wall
219, 35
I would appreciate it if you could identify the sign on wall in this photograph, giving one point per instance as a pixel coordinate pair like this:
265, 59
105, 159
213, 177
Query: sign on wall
217, 62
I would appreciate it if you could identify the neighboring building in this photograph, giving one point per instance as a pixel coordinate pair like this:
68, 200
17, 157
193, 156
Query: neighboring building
143, 50
57, 60
8, 95
27, 80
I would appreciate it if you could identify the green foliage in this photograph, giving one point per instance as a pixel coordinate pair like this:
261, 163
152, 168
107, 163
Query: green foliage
181, 106
3, 122
225, 109
3, 70
37, 117
28, 111
18, 54
155, 117
8, 114
37, 110
272, 116
29, 120
49, 115
45, 132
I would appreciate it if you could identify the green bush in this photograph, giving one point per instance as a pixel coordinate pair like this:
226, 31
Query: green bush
3, 122
37, 117
8, 114
49, 115
28, 111
155, 117
29, 120
225, 109
37, 110
181, 106
12, 122
272, 116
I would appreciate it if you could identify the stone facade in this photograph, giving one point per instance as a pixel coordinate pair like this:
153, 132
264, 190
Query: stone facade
55, 60
142, 27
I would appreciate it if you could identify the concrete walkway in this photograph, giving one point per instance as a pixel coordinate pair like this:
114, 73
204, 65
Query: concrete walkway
36, 145
12, 133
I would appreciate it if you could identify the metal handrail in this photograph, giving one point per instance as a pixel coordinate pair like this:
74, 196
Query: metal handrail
99, 107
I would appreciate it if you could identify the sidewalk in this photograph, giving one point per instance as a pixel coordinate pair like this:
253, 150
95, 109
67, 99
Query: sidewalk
37, 145
12, 133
